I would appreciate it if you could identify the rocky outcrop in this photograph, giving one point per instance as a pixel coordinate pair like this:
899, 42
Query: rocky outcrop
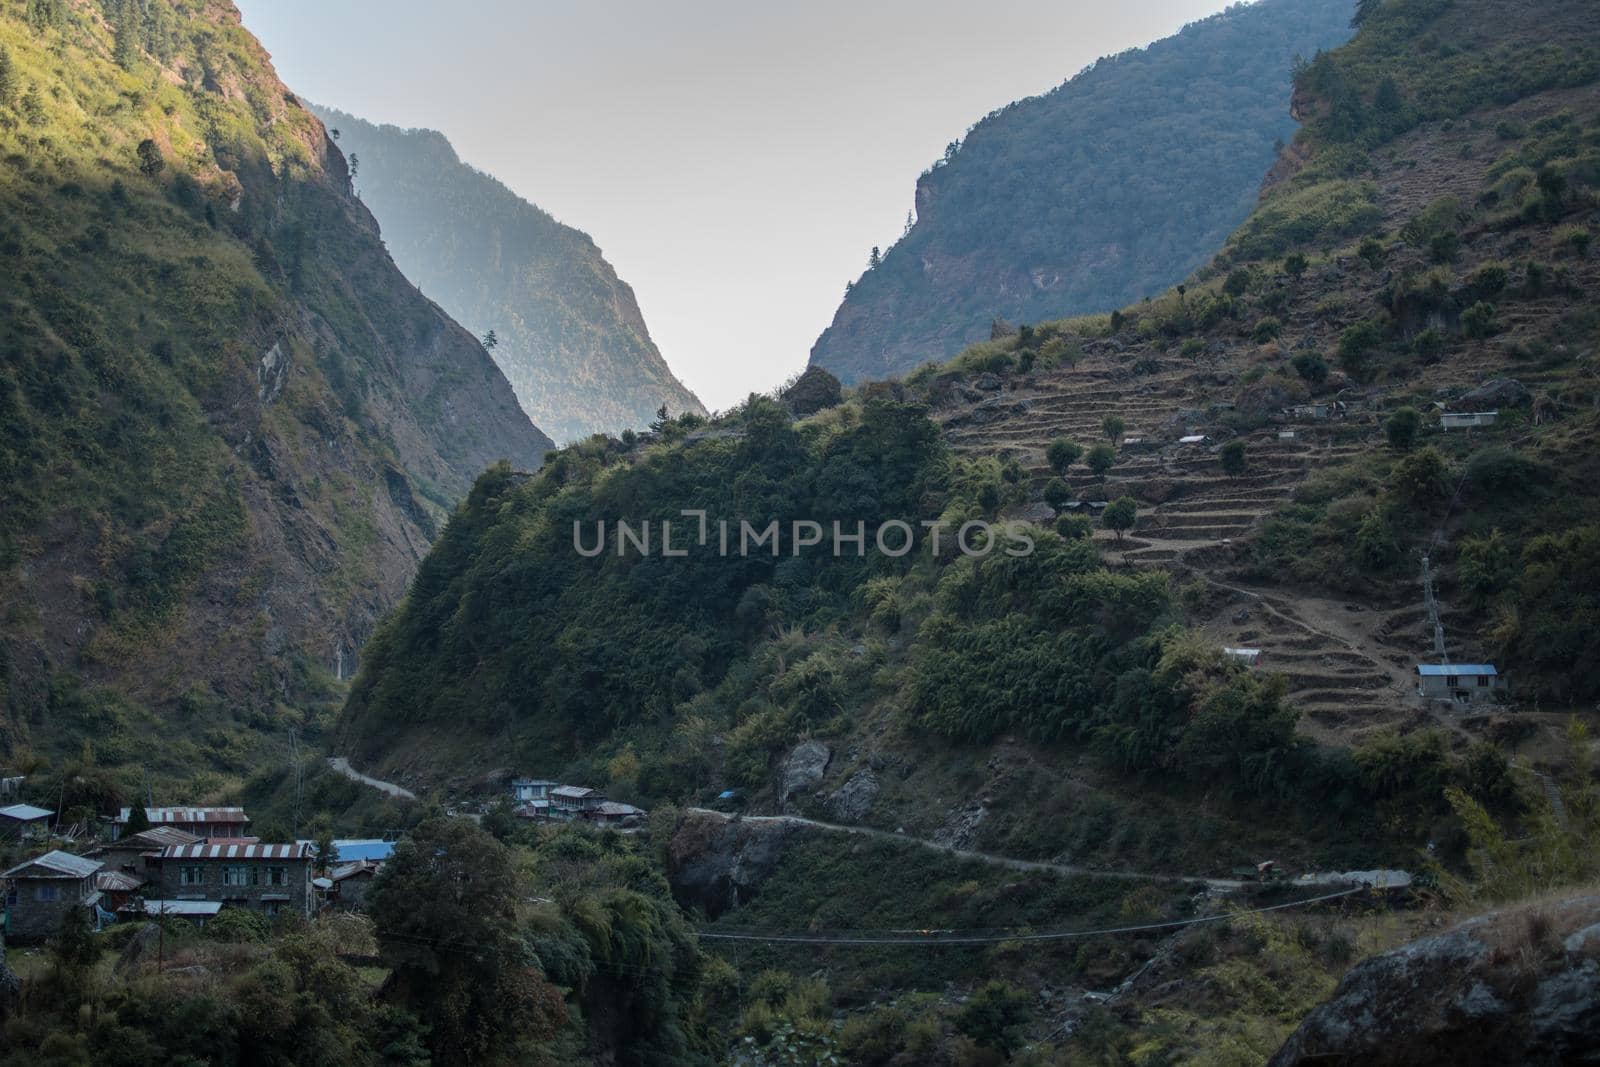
803, 770
813, 391
851, 801
1517, 986
716, 862
1494, 393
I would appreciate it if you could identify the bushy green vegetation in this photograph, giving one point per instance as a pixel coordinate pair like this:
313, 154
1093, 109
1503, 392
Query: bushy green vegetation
1157, 153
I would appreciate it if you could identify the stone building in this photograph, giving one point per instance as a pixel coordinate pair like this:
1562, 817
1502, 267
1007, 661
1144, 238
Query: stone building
265, 878
40, 891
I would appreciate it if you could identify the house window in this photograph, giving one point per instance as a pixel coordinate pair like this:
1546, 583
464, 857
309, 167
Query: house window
239, 875
47, 892
191, 876
271, 908
1483, 681
277, 876
1455, 682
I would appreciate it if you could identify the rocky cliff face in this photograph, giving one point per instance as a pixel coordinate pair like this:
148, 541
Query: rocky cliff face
1091, 197
1516, 986
229, 427
571, 337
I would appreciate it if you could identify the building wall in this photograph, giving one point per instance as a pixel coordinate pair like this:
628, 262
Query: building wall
168, 874
32, 919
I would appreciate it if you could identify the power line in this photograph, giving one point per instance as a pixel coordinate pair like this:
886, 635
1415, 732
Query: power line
959, 937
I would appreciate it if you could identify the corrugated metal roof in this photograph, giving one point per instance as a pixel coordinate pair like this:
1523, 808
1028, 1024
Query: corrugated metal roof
612, 807
1439, 670
576, 792
25, 812
117, 882
236, 852
58, 863
347, 870
370, 849
176, 907
158, 837
190, 815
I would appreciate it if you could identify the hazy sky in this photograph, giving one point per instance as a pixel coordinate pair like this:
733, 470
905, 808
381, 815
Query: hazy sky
734, 159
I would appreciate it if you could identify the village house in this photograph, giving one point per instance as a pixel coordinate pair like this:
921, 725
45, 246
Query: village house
527, 790
20, 821
117, 889
613, 814
1247, 656
194, 911
132, 854
572, 801
202, 822
1466, 420
1459, 683
40, 891
263, 877
349, 883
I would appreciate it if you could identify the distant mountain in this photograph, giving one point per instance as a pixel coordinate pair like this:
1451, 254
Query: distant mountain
571, 338
229, 427
1103, 191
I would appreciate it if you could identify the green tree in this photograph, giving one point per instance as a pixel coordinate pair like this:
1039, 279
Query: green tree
489, 341
1102, 457
150, 160
1057, 493
1062, 454
1402, 428
445, 916
1113, 425
33, 107
1422, 477
1233, 458
1120, 515
1376, 547
1357, 347
1485, 566
995, 1016
1295, 265
8, 78
1373, 252
138, 820
1237, 283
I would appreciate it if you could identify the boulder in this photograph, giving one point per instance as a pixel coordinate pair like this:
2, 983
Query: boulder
851, 801
803, 769
715, 862
1494, 393
813, 391
1516, 986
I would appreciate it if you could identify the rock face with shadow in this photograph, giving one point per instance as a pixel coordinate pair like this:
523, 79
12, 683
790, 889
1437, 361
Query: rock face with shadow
1518, 986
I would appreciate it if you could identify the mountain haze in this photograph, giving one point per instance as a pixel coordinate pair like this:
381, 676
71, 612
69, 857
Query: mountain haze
571, 338
1103, 191
229, 427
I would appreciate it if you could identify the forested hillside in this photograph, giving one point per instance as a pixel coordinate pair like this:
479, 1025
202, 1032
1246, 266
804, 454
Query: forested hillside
229, 427
569, 333
1101, 192
1267, 459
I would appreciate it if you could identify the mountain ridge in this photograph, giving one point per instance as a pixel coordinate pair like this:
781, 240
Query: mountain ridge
571, 337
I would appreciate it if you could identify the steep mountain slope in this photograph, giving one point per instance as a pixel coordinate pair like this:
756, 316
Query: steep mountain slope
1426, 240
571, 338
229, 427
1108, 189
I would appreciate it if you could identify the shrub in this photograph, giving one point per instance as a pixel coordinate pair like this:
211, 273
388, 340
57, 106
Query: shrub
1267, 329
1295, 264
1490, 278
1402, 428
1238, 282
1428, 345
994, 1017
1311, 367
1113, 425
1356, 345
1478, 320
1373, 252
1421, 477
1376, 547
1074, 527
1574, 237
1444, 247
1233, 458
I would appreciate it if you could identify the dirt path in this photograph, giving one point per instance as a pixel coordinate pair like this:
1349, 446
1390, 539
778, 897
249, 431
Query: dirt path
342, 766
1222, 885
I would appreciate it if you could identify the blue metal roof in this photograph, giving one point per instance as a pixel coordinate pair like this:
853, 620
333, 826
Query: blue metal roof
1440, 670
364, 850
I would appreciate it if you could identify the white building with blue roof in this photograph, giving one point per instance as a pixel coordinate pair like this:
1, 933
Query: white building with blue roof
1460, 683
